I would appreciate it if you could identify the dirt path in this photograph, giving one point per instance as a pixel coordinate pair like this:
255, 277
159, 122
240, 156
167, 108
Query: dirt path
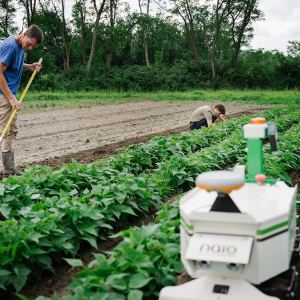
46, 135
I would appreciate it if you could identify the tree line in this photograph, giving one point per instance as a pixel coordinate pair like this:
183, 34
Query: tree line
173, 45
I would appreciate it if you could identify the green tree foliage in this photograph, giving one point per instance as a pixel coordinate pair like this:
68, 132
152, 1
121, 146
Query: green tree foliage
106, 44
242, 15
294, 48
7, 19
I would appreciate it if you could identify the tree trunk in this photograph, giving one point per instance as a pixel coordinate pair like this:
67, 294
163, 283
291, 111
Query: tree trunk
28, 14
62, 28
193, 43
98, 12
66, 57
143, 35
146, 48
83, 50
236, 55
83, 34
213, 64
89, 64
195, 53
65, 62
33, 10
211, 50
190, 33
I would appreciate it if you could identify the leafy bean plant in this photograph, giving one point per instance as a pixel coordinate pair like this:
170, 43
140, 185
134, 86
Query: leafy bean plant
138, 268
181, 171
148, 258
126, 273
138, 158
47, 214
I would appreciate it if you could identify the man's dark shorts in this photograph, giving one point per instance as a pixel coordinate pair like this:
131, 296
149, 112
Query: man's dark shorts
201, 123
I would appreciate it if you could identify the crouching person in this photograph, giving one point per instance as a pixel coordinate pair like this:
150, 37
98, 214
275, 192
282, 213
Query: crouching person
205, 116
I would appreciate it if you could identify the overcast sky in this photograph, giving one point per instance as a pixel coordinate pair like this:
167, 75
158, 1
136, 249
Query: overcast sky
282, 23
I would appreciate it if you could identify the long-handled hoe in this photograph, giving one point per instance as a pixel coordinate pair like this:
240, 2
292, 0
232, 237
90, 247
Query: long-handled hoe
21, 99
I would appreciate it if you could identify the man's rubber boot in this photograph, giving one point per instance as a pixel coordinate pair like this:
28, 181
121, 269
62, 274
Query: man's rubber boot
9, 164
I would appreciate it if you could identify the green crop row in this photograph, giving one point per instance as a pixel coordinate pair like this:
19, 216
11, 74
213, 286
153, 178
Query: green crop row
49, 213
149, 257
137, 158
182, 170
144, 262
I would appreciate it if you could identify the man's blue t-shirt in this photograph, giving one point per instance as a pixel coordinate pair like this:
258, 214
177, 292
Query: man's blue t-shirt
12, 55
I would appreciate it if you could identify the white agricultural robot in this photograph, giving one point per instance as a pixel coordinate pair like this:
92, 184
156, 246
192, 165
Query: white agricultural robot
238, 229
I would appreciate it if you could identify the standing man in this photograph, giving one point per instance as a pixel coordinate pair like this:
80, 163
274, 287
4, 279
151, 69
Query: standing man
12, 51
206, 115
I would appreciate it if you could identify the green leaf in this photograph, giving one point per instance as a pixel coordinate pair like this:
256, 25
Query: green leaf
24, 210
131, 253
4, 272
2, 189
124, 209
105, 296
45, 243
169, 280
137, 281
23, 297
2, 286
286, 177
137, 237
18, 282
73, 192
179, 267
5, 210
4, 260
35, 220
35, 196
135, 295
111, 278
38, 251
119, 284
22, 269
74, 262
91, 240
66, 245
145, 262
46, 260
148, 230
3, 249
87, 226
49, 202
35, 236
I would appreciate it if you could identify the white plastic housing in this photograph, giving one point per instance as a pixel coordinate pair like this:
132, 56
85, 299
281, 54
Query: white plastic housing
255, 131
268, 215
202, 289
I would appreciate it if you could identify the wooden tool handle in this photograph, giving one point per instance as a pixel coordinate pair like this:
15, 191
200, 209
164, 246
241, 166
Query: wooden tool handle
21, 99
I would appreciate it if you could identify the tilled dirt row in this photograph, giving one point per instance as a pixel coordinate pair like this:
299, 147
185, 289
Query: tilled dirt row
52, 137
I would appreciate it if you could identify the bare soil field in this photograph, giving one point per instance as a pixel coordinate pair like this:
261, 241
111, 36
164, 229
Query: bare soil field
53, 136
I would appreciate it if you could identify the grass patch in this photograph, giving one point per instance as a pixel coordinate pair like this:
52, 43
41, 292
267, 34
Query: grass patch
86, 99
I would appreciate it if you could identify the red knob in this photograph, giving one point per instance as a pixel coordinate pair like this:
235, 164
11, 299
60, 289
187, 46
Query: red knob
260, 178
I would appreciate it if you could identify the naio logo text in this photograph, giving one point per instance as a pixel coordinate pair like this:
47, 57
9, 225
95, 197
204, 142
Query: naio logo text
218, 249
